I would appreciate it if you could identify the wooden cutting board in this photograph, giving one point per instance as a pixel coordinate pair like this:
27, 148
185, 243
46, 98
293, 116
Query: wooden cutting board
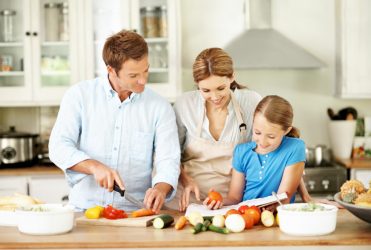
145, 221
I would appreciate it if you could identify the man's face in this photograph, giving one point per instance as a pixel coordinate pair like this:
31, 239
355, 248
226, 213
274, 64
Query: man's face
132, 76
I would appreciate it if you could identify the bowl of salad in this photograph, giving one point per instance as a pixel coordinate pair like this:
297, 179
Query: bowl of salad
45, 219
307, 219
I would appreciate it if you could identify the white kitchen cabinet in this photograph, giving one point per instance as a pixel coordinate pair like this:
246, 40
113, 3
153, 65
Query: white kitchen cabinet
9, 185
363, 175
42, 67
107, 17
49, 188
353, 49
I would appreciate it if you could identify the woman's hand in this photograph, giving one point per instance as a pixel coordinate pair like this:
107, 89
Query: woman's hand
189, 187
212, 204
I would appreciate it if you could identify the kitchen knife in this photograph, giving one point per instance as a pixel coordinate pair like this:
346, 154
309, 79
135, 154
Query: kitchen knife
128, 196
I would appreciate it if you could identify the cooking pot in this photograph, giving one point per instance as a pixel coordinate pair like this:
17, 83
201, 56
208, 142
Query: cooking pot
17, 147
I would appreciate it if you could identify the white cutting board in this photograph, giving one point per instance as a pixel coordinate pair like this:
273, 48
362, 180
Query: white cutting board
127, 222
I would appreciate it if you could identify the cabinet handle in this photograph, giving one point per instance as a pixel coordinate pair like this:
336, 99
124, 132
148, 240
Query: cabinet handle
34, 33
28, 33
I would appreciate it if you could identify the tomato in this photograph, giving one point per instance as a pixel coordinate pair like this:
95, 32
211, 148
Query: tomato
257, 209
112, 213
255, 214
214, 196
231, 211
243, 208
249, 221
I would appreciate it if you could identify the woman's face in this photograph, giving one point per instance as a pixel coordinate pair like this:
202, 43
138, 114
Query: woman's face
215, 90
268, 136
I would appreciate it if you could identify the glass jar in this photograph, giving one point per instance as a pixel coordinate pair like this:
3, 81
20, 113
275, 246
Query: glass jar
163, 21
149, 21
6, 62
7, 25
51, 21
64, 24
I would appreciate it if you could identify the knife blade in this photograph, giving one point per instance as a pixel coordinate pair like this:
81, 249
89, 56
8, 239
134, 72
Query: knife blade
127, 196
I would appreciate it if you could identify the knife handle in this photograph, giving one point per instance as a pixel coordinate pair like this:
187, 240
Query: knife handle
118, 189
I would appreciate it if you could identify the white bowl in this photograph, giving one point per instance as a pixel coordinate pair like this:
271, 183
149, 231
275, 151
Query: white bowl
45, 219
307, 223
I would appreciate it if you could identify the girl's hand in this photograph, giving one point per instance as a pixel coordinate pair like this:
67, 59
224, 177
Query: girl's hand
189, 187
212, 204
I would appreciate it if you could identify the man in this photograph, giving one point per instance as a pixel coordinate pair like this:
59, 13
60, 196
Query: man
113, 129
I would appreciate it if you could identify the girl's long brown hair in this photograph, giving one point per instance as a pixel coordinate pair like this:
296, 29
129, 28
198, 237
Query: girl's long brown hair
279, 111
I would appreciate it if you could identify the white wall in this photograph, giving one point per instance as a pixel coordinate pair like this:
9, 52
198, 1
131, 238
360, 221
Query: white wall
310, 23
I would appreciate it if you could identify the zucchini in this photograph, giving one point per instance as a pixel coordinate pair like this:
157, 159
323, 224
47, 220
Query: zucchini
198, 228
163, 221
210, 218
206, 225
221, 230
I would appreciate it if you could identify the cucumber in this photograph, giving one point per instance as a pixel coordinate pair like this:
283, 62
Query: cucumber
163, 221
221, 230
198, 228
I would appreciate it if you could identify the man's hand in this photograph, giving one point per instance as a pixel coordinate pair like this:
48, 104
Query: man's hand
155, 197
104, 175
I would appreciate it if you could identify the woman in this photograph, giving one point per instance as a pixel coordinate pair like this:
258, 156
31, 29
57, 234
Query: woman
211, 122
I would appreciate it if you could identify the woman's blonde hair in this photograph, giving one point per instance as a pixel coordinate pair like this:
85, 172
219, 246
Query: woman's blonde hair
278, 110
214, 61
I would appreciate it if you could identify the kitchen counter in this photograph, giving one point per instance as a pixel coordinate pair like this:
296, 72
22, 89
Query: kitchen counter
355, 163
350, 232
32, 170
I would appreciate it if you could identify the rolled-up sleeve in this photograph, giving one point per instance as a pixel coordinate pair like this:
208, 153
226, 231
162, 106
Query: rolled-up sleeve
167, 151
63, 149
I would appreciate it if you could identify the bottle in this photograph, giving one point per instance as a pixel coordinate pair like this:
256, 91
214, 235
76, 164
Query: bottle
7, 28
51, 21
163, 21
64, 24
149, 21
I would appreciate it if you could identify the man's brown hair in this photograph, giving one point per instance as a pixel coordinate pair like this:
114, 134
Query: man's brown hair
123, 46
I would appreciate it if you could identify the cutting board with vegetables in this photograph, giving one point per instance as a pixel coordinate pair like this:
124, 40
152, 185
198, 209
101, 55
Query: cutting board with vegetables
145, 221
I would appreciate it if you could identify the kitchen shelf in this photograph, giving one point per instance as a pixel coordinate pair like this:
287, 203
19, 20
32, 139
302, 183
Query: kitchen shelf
11, 73
11, 44
55, 73
56, 43
156, 40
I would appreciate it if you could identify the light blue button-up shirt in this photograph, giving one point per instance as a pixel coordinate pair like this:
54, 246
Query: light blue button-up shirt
132, 137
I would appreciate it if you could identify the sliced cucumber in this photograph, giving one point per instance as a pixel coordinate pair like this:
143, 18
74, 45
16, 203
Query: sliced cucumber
163, 221
198, 228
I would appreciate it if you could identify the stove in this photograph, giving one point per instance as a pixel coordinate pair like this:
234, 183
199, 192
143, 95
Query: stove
324, 181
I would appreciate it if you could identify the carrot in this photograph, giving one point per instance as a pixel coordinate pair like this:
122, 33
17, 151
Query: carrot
142, 212
181, 222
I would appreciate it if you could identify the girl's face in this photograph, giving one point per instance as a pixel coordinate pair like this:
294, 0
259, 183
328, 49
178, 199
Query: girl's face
215, 90
268, 136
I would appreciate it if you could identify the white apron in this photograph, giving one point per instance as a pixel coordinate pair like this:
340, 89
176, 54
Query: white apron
209, 163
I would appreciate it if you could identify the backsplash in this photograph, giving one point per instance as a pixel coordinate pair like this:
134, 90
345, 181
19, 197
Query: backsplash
39, 120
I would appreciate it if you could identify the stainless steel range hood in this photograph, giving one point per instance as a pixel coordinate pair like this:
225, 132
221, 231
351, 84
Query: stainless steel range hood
260, 46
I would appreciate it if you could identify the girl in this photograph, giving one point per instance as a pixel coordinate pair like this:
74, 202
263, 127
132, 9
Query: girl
273, 161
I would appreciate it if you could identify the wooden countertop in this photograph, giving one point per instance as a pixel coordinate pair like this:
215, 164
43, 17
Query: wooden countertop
355, 163
32, 170
350, 231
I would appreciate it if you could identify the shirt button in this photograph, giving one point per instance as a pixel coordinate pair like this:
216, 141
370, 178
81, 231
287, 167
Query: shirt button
115, 148
263, 161
117, 127
266, 155
260, 178
262, 166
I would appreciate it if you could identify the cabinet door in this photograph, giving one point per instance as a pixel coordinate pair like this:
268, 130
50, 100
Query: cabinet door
163, 42
363, 175
13, 184
49, 189
15, 71
54, 49
354, 49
